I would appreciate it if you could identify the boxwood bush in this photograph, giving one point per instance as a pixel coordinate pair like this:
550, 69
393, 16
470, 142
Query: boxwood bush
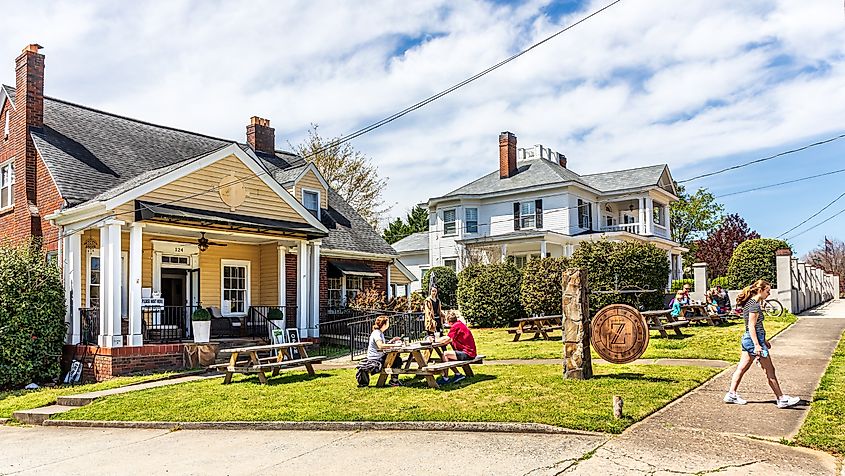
32, 316
679, 284
632, 264
753, 260
447, 284
541, 286
488, 295
722, 281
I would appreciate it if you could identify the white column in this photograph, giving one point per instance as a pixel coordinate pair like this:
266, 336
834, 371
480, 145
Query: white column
314, 319
110, 281
105, 288
389, 290
72, 268
302, 289
649, 216
542, 249
283, 298
504, 253
136, 339
595, 223
671, 268
680, 260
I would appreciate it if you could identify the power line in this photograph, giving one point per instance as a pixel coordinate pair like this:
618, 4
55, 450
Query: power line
777, 184
818, 224
813, 215
757, 161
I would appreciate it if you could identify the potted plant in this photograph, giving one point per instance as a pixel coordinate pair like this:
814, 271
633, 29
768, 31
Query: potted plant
277, 320
201, 324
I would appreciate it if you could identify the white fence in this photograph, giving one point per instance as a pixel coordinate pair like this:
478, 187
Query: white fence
800, 286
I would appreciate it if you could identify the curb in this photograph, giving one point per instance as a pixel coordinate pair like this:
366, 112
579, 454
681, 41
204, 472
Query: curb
536, 428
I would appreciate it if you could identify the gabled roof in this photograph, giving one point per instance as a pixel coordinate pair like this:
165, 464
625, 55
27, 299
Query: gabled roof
411, 243
348, 231
626, 179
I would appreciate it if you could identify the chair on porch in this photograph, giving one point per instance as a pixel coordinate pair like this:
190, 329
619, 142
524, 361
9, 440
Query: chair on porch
222, 325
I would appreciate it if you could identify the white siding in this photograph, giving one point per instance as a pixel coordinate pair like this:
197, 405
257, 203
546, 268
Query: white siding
414, 261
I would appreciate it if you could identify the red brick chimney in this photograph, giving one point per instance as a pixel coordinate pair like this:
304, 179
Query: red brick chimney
260, 136
29, 115
507, 155
561, 160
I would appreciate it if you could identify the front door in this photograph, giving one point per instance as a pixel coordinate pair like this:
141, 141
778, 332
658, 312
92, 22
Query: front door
174, 292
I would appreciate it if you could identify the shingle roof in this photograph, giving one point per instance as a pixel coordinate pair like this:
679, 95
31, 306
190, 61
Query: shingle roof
409, 244
93, 154
625, 179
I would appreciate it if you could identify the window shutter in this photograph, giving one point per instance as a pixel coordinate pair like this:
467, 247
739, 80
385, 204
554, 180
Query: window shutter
580, 213
538, 212
516, 216
590, 210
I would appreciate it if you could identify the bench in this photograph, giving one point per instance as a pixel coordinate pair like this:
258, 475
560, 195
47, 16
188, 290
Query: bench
292, 363
539, 325
662, 320
453, 364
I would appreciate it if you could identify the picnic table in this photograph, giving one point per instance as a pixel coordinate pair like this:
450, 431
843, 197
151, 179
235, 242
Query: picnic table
662, 320
420, 362
699, 313
539, 325
287, 356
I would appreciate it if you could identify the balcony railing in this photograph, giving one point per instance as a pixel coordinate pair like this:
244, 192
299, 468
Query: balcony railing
629, 227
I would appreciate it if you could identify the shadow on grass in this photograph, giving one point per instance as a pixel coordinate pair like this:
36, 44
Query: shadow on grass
287, 378
420, 383
536, 339
635, 376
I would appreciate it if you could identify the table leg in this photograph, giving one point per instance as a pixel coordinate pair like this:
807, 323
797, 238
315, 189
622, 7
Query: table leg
382, 378
659, 325
308, 366
253, 358
421, 364
232, 360
519, 330
468, 371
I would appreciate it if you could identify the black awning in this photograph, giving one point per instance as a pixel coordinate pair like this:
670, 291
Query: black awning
353, 269
148, 211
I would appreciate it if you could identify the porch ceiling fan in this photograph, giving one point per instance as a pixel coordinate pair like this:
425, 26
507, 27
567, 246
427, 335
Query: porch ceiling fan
203, 243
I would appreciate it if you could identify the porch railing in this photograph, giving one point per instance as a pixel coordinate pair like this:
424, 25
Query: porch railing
629, 227
166, 323
258, 323
90, 323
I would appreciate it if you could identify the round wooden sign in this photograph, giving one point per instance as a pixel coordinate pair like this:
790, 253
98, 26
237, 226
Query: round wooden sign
619, 333
232, 191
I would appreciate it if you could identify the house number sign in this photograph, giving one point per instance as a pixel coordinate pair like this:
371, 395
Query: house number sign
232, 191
620, 334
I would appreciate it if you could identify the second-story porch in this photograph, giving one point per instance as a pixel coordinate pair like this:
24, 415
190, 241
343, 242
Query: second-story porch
643, 216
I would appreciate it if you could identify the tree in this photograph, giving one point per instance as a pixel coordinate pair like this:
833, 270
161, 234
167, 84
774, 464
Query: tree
415, 222
829, 256
716, 250
349, 172
753, 260
692, 218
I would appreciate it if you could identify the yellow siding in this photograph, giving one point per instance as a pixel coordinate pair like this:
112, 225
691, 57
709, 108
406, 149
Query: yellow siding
210, 271
260, 200
269, 275
311, 182
396, 276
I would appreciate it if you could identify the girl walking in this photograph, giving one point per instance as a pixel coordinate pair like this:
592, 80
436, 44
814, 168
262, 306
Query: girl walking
754, 344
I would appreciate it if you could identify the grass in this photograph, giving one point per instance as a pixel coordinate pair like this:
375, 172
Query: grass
501, 393
824, 428
700, 341
14, 400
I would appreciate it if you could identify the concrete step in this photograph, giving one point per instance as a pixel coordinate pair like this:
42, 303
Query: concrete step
36, 416
83, 399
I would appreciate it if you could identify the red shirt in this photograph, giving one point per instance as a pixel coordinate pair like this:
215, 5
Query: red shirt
462, 339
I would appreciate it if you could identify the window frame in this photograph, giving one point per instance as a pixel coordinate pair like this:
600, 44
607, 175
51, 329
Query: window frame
233, 263
585, 214
315, 192
658, 214
451, 263
523, 216
338, 300
124, 279
350, 292
467, 227
10, 187
453, 222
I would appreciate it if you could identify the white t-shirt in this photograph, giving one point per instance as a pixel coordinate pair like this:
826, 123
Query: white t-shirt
373, 351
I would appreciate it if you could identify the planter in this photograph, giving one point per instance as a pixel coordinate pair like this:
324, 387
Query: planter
273, 325
202, 331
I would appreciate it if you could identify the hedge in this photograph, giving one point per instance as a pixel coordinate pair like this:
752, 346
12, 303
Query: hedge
540, 292
628, 263
32, 316
446, 281
679, 284
753, 260
722, 281
488, 295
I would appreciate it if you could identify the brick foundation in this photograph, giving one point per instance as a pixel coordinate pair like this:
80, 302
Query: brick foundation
100, 363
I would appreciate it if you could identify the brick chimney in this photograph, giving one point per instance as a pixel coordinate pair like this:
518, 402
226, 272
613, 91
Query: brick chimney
507, 155
260, 136
561, 159
28, 116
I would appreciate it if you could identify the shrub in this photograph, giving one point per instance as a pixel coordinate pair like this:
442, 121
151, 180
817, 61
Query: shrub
541, 285
722, 281
753, 260
488, 295
369, 298
679, 284
275, 314
626, 263
32, 316
447, 284
201, 314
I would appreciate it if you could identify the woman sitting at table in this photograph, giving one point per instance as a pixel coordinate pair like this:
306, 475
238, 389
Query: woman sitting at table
377, 346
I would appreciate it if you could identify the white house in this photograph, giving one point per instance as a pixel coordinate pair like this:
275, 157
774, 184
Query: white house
534, 206
414, 252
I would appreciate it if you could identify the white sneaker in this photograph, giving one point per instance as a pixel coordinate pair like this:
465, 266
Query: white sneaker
734, 398
785, 401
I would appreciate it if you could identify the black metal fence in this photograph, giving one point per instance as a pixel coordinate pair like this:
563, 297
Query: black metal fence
166, 323
90, 323
258, 322
351, 336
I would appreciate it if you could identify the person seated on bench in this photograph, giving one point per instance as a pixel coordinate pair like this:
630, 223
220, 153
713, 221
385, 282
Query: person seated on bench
464, 344
676, 304
723, 300
375, 349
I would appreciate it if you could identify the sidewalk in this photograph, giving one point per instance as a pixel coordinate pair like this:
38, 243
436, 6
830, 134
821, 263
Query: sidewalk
699, 433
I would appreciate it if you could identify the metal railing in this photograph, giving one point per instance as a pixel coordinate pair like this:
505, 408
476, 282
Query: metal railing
351, 336
90, 323
166, 323
259, 324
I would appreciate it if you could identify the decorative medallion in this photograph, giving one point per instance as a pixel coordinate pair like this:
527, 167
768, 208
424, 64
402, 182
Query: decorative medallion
232, 191
620, 334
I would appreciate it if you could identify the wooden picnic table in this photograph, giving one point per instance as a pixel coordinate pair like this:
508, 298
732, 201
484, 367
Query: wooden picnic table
539, 325
699, 313
655, 320
287, 355
420, 361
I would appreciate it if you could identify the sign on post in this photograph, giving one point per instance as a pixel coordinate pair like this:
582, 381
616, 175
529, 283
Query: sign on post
620, 334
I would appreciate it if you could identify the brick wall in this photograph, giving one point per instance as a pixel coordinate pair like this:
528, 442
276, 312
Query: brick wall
99, 363
379, 283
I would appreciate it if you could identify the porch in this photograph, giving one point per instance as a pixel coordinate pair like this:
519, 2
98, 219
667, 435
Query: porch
642, 216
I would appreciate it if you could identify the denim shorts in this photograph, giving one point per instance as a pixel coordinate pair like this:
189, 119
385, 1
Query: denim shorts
748, 344
462, 355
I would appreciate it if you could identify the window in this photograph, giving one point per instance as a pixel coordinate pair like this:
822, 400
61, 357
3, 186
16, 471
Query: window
585, 214
354, 285
311, 201
449, 227
451, 263
6, 127
235, 286
522, 260
471, 220
658, 214
335, 286
93, 282
7, 185
53, 258
527, 215
183, 260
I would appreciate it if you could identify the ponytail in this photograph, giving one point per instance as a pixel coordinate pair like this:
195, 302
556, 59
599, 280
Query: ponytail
750, 291
380, 320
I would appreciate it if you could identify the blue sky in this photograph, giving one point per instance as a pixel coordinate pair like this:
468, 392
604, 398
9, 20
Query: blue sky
699, 84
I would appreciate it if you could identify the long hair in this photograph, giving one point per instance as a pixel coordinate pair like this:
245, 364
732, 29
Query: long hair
380, 320
750, 291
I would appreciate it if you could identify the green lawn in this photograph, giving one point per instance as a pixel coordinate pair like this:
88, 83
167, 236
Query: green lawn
14, 400
824, 428
524, 393
700, 341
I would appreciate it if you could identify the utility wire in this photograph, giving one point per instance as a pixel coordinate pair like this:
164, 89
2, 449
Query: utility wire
817, 224
777, 184
813, 215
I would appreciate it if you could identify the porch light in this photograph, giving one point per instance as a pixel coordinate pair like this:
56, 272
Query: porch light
203, 245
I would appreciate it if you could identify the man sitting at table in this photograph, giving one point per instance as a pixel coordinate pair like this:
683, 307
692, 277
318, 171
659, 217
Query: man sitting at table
464, 344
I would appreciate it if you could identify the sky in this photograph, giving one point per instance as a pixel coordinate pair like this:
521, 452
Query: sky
699, 85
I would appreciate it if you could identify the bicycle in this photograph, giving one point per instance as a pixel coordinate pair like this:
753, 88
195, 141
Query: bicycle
772, 308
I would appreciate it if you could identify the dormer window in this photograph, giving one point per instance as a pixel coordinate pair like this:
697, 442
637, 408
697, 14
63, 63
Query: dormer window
311, 201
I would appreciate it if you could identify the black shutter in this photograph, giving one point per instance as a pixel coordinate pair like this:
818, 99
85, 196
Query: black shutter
580, 213
538, 212
590, 211
516, 216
